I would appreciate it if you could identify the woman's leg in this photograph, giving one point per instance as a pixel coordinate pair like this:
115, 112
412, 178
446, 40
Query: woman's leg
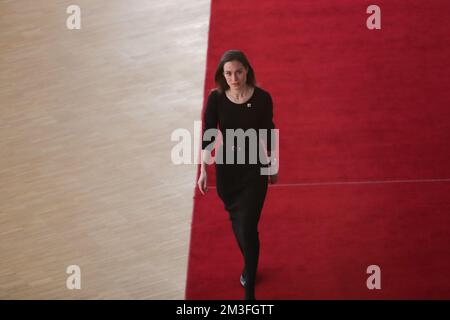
245, 227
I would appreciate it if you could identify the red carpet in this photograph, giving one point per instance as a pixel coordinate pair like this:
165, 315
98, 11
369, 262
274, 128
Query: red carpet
364, 123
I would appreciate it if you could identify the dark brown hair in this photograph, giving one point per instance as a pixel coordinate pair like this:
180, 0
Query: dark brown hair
233, 55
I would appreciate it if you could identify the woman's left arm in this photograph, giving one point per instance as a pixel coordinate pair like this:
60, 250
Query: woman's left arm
271, 145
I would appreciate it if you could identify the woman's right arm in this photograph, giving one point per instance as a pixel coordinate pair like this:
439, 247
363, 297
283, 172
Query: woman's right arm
202, 180
210, 121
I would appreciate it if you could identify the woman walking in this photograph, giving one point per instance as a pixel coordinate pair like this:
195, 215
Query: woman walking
241, 110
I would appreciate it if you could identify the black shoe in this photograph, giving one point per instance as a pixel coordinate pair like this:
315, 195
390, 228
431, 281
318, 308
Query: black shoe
249, 297
243, 281
249, 294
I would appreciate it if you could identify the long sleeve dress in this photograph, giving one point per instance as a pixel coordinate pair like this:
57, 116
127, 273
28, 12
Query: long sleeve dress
256, 113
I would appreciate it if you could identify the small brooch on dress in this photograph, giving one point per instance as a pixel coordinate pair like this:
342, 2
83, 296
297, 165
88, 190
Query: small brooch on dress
249, 105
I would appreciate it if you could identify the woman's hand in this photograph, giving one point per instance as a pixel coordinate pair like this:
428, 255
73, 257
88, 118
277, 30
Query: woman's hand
273, 170
202, 180
273, 178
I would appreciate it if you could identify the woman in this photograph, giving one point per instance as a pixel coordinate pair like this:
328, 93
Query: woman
238, 104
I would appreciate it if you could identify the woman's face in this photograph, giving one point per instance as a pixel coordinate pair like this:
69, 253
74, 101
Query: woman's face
235, 74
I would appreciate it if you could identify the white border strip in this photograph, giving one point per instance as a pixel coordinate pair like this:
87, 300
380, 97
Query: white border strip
332, 183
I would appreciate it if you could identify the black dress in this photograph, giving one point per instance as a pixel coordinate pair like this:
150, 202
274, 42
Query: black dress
241, 186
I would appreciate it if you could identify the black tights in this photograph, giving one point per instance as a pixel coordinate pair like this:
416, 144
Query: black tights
248, 241
244, 216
